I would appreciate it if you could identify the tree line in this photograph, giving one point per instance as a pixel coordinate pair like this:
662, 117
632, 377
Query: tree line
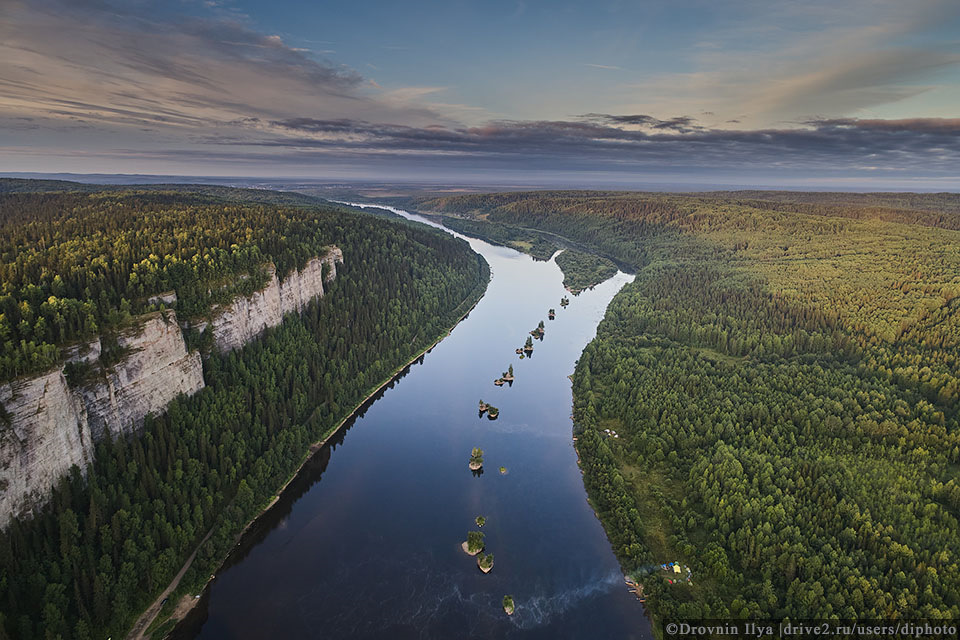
107, 543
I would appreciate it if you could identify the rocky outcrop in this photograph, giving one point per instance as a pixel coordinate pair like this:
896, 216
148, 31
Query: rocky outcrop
44, 432
246, 318
46, 427
154, 369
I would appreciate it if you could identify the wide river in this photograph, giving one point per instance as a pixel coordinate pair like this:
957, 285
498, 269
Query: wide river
365, 543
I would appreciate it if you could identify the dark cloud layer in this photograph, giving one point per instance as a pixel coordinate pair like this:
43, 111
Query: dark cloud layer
926, 146
678, 123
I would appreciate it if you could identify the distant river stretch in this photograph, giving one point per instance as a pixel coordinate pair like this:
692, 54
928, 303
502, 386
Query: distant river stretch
366, 541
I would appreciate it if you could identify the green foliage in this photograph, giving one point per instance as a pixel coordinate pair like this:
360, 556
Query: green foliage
74, 265
476, 456
508, 605
584, 270
783, 376
481, 521
474, 541
107, 544
485, 561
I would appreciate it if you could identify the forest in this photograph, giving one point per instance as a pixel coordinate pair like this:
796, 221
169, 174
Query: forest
108, 542
583, 270
784, 375
75, 265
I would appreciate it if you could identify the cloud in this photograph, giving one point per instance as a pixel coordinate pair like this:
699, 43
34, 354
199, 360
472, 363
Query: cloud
90, 82
601, 66
788, 61
918, 146
677, 123
834, 149
144, 64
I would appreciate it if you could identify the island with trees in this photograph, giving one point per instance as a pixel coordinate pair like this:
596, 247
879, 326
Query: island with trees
474, 543
508, 605
505, 377
485, 562
476, 459
539, 331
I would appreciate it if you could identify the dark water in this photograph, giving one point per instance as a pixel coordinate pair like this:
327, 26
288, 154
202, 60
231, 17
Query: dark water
366, 542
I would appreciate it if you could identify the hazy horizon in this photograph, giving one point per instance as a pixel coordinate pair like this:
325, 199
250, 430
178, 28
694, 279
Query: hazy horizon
464, 182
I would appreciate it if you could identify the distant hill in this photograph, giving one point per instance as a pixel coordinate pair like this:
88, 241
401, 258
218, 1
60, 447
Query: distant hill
262, 196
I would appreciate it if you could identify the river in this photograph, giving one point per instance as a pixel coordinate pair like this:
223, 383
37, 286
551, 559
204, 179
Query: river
365, 543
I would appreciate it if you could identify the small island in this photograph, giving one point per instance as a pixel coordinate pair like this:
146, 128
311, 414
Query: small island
473, 544
503, 471
492, 412
552, 314
538, 332
482, 407
508, 605
480, 521
485, 562
506, 377
528, 346
476, 459
564, 301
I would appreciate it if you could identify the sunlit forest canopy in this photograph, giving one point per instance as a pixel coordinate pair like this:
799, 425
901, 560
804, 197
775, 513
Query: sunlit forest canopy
783, 378
73, 264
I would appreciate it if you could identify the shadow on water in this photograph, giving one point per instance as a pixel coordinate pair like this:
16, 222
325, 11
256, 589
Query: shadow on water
309, 475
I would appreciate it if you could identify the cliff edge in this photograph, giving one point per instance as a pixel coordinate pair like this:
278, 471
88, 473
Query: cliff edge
47, 426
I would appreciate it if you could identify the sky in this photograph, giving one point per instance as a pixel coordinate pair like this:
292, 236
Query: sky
831, 93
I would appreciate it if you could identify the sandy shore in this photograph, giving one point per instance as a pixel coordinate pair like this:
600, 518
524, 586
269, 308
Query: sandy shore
466, 549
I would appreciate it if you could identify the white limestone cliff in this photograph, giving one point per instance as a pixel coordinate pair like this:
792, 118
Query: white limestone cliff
43, 434
155, 369
247, 317
46, 426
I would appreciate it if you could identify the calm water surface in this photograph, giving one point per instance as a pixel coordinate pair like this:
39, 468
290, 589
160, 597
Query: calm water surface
366, 541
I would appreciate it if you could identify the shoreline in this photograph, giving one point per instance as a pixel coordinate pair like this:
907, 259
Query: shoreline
143, 624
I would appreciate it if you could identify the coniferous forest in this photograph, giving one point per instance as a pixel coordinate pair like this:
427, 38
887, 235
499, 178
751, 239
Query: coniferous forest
784, 378
79, 263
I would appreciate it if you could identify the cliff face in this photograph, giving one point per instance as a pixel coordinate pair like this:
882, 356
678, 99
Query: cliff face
155, 369
47, 434
246, 318
53, 427
46, 426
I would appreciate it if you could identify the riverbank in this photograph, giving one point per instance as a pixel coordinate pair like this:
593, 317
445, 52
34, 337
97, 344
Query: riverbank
150, 618
315, 562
